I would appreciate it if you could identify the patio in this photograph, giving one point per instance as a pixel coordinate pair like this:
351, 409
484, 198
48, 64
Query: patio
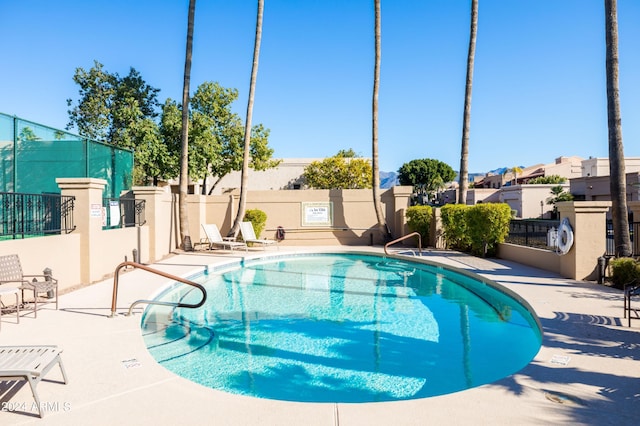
585, 373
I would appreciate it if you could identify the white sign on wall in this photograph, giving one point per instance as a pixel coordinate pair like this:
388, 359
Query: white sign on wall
317, 214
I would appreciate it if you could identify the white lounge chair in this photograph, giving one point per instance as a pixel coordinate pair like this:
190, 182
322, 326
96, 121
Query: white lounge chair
214, 239
249, 236
30, 363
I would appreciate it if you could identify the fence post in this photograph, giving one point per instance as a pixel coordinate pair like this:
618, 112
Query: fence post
588, 221
88, 220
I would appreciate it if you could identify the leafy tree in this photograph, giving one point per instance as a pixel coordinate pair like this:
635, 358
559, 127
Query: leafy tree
426, 176
215, 134
242, 204
551, 179
617, 180
122, 112
338, 172
466, 121
110, 105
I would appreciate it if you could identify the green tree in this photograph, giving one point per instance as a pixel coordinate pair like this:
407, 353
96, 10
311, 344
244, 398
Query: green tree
242, 204
338, 172
110, 106
426, 176
551, 179
617, 178
122, 112
184, 135
466, 121
215, 135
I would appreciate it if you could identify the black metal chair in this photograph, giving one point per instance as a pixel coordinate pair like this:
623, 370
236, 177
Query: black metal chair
631, 290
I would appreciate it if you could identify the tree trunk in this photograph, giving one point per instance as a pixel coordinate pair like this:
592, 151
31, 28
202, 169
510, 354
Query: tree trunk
184, 155
375, 167
466, 121
617, 179
242, 206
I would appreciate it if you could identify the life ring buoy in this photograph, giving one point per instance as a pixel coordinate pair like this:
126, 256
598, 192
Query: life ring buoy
565, 236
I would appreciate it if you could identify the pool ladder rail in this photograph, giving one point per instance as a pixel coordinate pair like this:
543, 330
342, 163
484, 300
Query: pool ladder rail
405, 237
116, 276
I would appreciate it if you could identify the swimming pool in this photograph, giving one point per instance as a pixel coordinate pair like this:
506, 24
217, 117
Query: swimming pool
342, 328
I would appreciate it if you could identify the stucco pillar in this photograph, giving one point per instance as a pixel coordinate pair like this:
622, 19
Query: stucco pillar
87, 216
157, 214
401, 197
436, 231
588, 221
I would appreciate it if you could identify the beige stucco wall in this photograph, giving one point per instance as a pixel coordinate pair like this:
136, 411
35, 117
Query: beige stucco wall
354, 220
543, 259
60, 253
526, 199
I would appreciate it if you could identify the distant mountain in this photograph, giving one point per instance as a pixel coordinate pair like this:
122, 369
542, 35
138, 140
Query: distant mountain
388, 179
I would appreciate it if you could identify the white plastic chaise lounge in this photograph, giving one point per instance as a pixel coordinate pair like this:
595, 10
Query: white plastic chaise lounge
30, 363
214, 238
249, 236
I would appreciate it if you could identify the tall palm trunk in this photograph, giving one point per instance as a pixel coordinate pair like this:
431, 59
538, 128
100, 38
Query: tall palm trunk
617, 179
466, 121
242, 206
375, 167
184, 154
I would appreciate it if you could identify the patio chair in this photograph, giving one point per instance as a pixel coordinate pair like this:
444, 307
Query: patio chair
11, 272
631, 290
214, 239
6, 291
30, 363
249, 236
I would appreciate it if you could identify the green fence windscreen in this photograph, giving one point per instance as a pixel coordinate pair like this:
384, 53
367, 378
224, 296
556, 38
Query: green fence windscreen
33, 156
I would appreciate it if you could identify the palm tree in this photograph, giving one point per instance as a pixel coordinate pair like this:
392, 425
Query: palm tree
466, 121
617, 181
184, 154
515, 170
375, 167
242, 206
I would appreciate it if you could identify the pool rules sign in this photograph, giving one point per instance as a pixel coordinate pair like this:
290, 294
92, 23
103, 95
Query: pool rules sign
317, 214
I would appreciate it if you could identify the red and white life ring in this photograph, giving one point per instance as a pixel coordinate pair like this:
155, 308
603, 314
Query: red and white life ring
565, 236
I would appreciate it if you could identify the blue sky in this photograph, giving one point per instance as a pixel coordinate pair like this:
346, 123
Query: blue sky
539, 83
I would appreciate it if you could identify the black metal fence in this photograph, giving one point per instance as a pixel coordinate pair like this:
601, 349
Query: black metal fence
123, 212
30, 215
537, 233
634, 228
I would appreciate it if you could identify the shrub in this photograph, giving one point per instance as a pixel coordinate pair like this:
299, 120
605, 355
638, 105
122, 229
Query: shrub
455, 226
258, 219
487, 225
623, 271
419, 220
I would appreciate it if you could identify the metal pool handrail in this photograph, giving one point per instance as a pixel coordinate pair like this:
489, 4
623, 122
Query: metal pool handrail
397, 240
116, 276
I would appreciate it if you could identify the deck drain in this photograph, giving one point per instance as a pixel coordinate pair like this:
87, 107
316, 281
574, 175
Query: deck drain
560, 359
562, 398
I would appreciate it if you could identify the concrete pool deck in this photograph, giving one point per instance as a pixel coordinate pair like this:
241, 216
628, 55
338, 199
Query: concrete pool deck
586, 373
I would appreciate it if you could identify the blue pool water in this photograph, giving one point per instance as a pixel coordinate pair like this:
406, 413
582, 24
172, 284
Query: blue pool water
342, 328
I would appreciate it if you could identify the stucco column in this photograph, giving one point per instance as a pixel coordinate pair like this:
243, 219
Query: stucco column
588, 221
157, 214
87, 216
401, 197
